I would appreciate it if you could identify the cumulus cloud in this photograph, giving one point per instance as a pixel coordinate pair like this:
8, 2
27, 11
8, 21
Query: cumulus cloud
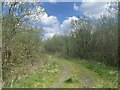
51, 30
76, 7
99, 0
52, 1
59, 29
66, 25
43, 17
48, 20
92, 8
51, 25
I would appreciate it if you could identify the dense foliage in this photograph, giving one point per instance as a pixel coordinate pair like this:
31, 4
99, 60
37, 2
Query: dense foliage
21, 43
93, 40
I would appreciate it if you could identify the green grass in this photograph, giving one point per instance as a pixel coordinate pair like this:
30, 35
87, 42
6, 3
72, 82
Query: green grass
71, 73
41, 79
105, 75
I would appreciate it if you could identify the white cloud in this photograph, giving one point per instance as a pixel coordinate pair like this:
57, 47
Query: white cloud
76, 7
48, 35
50, 24
89, 0
100, 0
66, 25
52, 1
39, 15
48, 20
52, 30
92, 8
58, 28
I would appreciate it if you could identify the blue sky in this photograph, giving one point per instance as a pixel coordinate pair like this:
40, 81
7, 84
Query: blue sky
61, 10
58, 15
